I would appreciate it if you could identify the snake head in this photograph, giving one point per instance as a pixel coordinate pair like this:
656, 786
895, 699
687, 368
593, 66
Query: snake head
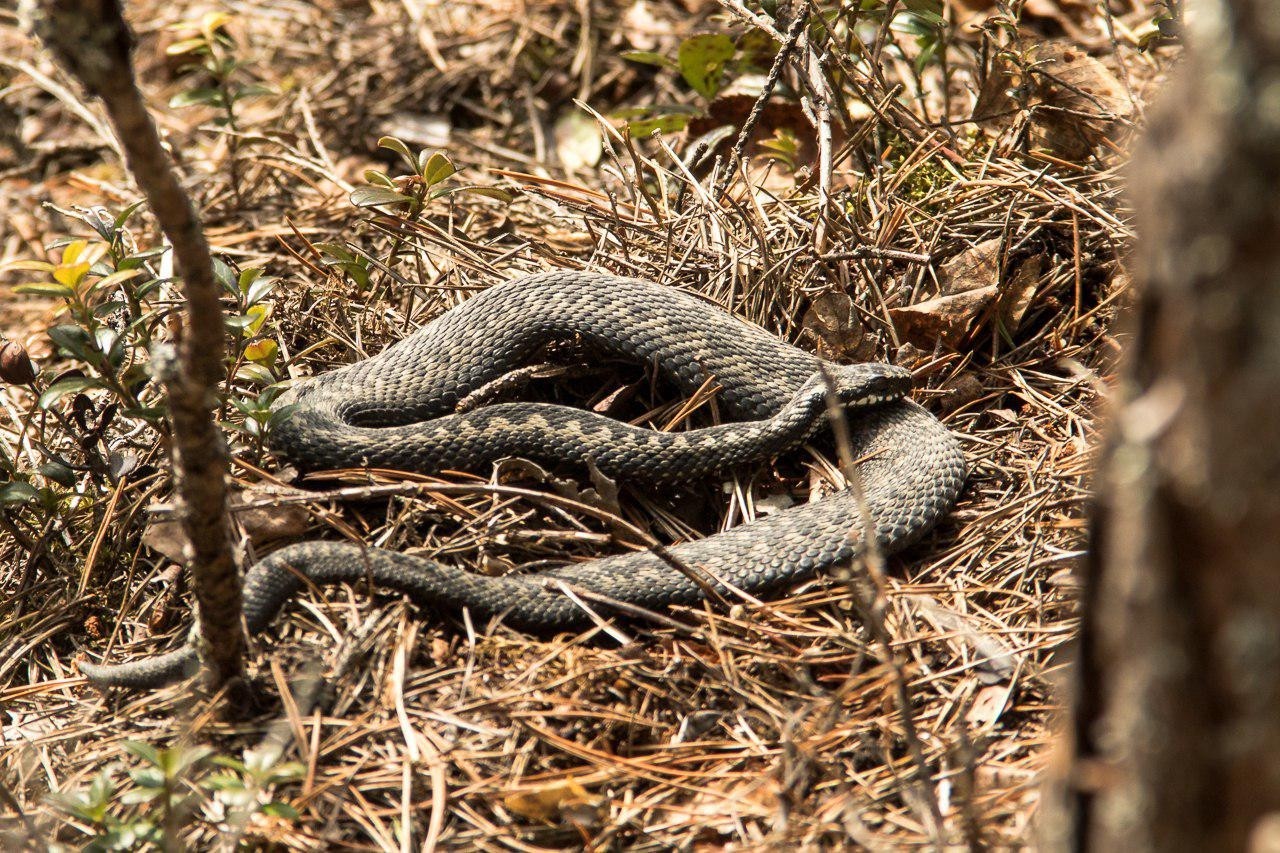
868, 384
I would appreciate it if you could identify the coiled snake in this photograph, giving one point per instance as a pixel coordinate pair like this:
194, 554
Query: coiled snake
396, 410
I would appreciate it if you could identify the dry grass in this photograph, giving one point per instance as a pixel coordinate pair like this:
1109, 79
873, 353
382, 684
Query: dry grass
917, 711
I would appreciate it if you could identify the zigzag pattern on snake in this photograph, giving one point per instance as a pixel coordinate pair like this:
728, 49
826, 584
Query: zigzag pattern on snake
396, 410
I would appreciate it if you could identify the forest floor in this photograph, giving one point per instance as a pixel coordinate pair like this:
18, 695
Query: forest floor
935, 186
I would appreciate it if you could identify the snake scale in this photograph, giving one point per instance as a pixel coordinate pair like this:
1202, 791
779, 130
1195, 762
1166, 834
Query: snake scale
397, 410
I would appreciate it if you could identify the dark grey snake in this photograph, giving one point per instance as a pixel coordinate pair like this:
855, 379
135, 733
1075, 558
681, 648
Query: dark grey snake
396, 410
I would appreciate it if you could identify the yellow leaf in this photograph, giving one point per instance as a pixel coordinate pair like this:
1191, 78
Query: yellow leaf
70, 274
259, 313
212, 22
263, 352
178, 48
71, 251
547, 803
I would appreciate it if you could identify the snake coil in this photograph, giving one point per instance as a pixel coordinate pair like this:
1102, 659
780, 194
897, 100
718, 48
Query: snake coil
396, 410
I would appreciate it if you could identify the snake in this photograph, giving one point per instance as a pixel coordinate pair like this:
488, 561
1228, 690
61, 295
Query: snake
400, 410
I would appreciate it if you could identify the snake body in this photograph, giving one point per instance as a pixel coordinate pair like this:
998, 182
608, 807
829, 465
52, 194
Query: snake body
396, 410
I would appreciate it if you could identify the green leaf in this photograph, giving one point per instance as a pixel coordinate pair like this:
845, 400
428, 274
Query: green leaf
473, 189
145, 751
487, 192
58, 473
70, 385
17, 493
438, 168
666, 124
191, 45
152, 414
282, 414
226, 276
201, 95
380, 178
702, 59
224, 782
247, 277
76, 341
336, 250
286, 772
52, 288
280, 810
261, 288
148, 777
118, 277
255, 373
31, 266
648, 57
254, 90
180, 759
124, 215
374, 196
393, 144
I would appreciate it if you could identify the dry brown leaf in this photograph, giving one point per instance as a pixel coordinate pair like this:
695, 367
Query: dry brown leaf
834, 326
1018, 291
554, 801
975, 267
946, 319
988, 704
994, 661
961, 391
1078, 100
264, 524
167, 538
779, 118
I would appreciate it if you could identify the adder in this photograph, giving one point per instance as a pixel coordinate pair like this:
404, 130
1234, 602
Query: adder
397, 410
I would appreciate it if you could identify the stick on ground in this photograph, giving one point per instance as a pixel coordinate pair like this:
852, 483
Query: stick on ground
91, 39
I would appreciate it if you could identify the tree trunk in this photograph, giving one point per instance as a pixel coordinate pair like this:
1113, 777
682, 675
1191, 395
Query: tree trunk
1177, 715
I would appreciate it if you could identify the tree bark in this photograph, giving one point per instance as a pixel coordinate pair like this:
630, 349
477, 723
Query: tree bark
1177, 715
92, 40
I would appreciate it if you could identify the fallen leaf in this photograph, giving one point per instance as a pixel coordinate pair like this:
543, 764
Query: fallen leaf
166, 538
960, 391
988, 704
162, 610
264, 524
995, 661
781, 134
577, 141
833, 324
603, 492
975, 267
424, 130
642, 28
1077, 101
1018, 291
773, 503
946, 319
552, 801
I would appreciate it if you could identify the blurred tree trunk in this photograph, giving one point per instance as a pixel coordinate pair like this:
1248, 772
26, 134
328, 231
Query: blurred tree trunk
1177, 713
